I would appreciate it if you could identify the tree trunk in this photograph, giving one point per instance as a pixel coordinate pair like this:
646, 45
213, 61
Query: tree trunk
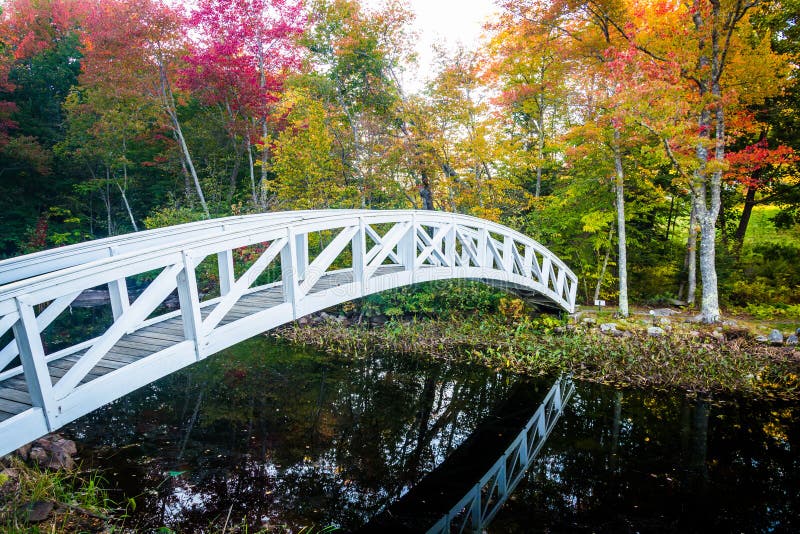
264, 162
425, 192
691, 258
107, 201
621, 237
169, 104
235, 172
540, 152
605, 266
123, 190
707, 185
744, 221
262, 83
669, 217
127, 206
602, 274
708, 271
252, 175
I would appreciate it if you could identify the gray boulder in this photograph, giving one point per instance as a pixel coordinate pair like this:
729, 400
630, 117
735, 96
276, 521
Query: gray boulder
38, 511
655, 331
775, 337
53, 451
379, 320
608, 328
663, 312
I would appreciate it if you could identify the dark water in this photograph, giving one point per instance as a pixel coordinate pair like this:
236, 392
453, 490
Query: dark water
264, 435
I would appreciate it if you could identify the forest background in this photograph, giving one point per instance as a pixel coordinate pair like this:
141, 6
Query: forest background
653, 145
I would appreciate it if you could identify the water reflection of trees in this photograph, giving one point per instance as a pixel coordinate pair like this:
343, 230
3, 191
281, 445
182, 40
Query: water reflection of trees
634, 462
285, 437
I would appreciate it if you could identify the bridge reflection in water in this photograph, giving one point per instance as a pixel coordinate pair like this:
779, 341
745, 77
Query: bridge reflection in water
483, 486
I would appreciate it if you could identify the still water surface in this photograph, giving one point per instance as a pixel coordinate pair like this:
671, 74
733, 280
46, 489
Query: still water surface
279, 437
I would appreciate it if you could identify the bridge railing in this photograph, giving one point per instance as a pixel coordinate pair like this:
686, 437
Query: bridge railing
483, 501
376, 250
45, 261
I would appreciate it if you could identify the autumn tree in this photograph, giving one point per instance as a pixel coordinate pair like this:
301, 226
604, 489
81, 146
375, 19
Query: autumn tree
39, 63
529, 66
354, 54
306, 170
105, 137
723, 65
704, 60
136, 49
244, 50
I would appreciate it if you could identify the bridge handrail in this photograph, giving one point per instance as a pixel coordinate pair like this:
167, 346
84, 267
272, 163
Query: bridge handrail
153, 248
45, 261
104, 270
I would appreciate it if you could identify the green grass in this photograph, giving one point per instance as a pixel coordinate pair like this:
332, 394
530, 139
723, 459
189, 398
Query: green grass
79, 501
761, 230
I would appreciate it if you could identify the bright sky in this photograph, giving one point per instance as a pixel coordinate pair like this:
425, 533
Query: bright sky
451, 22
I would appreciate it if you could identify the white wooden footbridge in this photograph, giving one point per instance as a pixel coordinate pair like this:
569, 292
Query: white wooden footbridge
353, 253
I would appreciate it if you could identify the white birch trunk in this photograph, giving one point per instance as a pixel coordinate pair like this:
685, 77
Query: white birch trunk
621, 236
168, 100
691, 258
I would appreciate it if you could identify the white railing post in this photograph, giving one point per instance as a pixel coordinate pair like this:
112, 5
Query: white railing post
189, 299
450, 244
360, 256
561, 278
475, 512
528, 262
523, 451
34, 366
118, 293
407, 247
502, 479
573, 292
483, 247
547, 265
301, 250
508, 254
226, 273
466, 245
290, 283
557, 398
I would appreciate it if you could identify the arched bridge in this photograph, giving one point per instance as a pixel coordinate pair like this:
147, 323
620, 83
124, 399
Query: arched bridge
264, 270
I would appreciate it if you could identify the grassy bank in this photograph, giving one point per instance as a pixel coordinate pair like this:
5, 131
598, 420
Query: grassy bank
692, 362
34, 500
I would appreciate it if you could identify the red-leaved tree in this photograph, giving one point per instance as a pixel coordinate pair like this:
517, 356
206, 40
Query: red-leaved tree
243, 51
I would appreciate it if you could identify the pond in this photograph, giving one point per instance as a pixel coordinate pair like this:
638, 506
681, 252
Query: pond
268, 436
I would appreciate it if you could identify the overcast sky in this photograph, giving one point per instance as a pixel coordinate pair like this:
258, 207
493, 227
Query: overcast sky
452, 22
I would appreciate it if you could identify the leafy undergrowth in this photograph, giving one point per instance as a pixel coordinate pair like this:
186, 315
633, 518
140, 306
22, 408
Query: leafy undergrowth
699, 364
65, 500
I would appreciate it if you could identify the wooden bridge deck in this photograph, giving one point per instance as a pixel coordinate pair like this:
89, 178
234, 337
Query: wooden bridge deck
146, 341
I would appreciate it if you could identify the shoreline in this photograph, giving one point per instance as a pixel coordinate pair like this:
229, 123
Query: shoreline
712, 362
